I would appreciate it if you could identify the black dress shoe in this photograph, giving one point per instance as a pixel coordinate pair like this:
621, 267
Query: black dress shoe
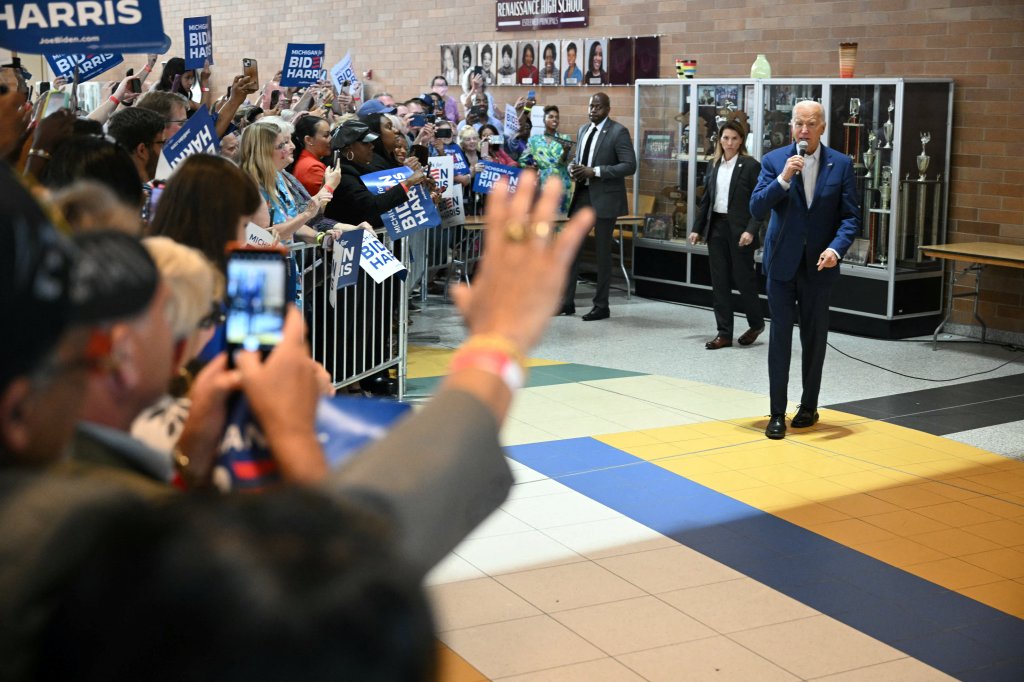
804, 417
718, 342
748, 337
566, 310
597, 314
776, 429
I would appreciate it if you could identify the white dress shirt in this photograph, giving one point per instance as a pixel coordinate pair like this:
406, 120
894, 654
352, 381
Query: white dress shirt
723, 182
589, 161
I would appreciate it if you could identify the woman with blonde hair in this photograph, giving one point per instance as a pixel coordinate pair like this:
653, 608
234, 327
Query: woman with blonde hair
267, 150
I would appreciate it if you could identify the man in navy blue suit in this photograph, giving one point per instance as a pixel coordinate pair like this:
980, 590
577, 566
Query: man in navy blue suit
811, 193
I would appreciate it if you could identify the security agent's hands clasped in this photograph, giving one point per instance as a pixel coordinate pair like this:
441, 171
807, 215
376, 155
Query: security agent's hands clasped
580, 173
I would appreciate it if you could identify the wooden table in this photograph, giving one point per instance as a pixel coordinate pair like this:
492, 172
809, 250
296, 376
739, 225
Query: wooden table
977, 255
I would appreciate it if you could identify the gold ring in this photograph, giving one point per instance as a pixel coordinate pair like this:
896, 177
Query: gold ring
515, 232
542, 229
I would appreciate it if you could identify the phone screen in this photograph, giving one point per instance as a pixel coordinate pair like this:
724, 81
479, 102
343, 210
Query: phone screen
443, 133
135, 85
532, 94
275, 97
256, 291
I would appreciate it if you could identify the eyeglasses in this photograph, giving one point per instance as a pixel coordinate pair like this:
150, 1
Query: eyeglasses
214, 318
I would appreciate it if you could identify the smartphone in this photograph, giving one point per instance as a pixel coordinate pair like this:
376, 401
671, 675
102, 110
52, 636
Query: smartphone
417, 120
431, 118
335, 157
478, 110
256, 298
129, 72
275, 97
249, 69
496, 139
134, 85
443, 133
532, 94
44, 87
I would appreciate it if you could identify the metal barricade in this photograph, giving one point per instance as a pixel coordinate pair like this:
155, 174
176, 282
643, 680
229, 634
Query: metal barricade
365, 331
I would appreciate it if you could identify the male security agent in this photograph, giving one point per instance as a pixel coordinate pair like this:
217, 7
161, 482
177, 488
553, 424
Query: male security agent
811, 194
604, 159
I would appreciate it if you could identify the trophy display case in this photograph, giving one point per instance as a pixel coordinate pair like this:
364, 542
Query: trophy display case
896, 131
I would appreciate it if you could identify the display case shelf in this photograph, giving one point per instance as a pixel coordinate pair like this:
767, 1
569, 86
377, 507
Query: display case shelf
897, 132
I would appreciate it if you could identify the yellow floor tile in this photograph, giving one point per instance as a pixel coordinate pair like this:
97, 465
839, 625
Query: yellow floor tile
955, 542
778, 473
1006, 532
833, 466
900, 551
950, 492
860, 504
811, 515
864, 481
1005, 481
972, 485
997, 506
941, 468
453, 668
1008, 563
954, 574
654, 451
905, 522
816, 489
1006, 595
852, 532
956, 514
738, 458
626, 440
726, 481
691, 465
909, 496
769, 499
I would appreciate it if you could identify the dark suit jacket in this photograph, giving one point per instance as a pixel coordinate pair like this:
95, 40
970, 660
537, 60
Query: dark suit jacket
797, 234
741, 186
614, 154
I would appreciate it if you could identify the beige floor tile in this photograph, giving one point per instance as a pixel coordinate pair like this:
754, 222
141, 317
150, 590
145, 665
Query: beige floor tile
902, 670
520, 646
715, 658
632, 625
500, 522
476, 602
515, 552
540, 488
452, 568
550, 511
572, 586
817, 646
663, 570
737, 605
601, 670
609, 537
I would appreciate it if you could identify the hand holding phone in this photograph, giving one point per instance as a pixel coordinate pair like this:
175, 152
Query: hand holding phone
249, 69
257, 298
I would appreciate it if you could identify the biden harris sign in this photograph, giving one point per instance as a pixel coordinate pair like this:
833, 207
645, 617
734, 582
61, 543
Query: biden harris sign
79, 26
303, 65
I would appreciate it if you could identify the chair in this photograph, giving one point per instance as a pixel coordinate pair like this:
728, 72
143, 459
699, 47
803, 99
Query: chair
632, 222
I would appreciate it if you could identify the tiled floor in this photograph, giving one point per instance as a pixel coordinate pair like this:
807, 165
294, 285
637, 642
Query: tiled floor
654, 533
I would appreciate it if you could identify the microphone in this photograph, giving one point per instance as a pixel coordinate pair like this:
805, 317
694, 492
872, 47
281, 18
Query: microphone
801, 149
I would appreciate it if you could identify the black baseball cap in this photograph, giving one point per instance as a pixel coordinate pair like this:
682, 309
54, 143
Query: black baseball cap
352, 131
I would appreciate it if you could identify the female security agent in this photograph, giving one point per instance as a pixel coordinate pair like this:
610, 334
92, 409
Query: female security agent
595, 71
549, 153
528, 74
312, 137
353, 203
725, 223
549, 74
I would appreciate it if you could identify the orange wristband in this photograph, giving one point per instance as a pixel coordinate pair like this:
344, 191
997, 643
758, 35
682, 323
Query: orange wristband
115, 100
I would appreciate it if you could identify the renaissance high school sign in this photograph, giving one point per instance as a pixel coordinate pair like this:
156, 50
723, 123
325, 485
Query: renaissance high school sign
517, 15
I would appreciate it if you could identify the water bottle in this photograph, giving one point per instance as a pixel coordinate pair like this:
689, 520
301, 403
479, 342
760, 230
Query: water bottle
761, 68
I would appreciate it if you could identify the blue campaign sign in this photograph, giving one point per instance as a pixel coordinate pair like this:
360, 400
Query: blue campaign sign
485, 180
79, 26
198, 41
198, 136
418, 213
89, 65
346, 258
303, 64
461, 165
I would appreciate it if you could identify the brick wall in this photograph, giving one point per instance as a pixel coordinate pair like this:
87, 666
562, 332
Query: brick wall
979, 43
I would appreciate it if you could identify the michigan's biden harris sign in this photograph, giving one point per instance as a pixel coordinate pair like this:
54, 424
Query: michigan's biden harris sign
76, 26
303, 65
